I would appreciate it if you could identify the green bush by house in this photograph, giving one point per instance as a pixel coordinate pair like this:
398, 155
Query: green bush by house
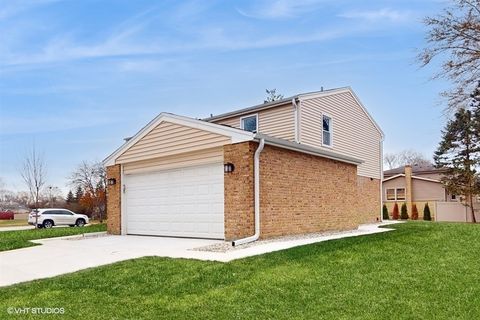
385, 213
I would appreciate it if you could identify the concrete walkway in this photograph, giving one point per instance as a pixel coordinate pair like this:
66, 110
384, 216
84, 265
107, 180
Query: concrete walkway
17, 228
58, 256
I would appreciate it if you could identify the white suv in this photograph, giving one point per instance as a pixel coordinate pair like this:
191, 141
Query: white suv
48, 218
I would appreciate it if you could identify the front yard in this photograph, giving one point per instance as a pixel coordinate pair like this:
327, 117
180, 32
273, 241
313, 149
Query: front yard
10, 240
422, 270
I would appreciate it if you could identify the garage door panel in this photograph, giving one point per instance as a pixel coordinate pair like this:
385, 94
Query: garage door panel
185, 202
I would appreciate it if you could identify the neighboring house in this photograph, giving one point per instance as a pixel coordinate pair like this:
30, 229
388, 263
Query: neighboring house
415, 185
308, 163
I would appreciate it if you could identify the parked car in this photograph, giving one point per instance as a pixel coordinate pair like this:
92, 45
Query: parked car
50, 217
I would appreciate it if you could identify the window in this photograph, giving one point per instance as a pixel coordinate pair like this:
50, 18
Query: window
390, 194
249, 123
454, 197
327, 131
395, 194
65, 212
401, 194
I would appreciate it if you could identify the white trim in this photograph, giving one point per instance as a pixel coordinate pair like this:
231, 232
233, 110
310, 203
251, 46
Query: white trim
307, 96
394, 177
236, 135
331, 130
249, 116
426, 179
413, 177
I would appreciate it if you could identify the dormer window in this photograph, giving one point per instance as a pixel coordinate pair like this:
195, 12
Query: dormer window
249, 123
327, 131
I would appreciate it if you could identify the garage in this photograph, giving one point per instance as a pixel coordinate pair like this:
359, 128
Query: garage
181, 202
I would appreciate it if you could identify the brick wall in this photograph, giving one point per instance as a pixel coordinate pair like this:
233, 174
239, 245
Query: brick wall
369, 202
238, 186
299, 193
113, 200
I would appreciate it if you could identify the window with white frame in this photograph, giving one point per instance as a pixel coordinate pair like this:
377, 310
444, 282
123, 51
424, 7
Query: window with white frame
390, 194
400, 193
395, 194
327, 131
249, 123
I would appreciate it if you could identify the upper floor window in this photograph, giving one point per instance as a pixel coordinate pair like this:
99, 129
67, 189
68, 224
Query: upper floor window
327, 131
249, 123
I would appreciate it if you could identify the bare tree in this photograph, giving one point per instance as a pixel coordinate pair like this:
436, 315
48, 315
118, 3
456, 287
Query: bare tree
33, 172
91, 178
412, 157
454, 36
272, 95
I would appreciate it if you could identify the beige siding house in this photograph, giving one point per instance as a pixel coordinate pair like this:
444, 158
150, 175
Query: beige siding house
307, 163
415, 185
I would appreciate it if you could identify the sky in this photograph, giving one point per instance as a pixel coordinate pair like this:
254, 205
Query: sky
77, 76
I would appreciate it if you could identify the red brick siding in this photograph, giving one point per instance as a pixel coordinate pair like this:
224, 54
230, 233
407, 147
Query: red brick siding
238, 186
113, 200
299, 193
369, 202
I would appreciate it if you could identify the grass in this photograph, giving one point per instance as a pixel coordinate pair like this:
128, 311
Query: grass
10, 240
13, 223
421, 271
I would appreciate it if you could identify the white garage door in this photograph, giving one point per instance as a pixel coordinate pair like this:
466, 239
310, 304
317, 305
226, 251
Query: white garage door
186, 202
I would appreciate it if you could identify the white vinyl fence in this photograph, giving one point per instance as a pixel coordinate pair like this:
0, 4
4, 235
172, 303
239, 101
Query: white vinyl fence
454, 211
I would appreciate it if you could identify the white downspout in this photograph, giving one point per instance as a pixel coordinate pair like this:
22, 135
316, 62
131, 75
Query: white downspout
381, 180
256, 174
295, 116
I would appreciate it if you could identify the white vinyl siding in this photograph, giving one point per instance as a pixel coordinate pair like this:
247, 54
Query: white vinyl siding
354, 134
277, 122
212, 155
169, 139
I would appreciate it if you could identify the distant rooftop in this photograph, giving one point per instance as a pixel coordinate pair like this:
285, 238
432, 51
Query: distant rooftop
425, 168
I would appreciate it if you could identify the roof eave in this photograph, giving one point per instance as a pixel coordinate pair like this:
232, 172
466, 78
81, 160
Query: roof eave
285, 144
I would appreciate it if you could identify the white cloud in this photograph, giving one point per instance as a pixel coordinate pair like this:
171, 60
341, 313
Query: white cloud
278, 9
378, 15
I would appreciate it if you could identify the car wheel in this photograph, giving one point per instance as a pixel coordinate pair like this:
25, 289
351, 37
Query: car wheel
47, 224
80, 223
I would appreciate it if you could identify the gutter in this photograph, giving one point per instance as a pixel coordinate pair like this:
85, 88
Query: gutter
256, 173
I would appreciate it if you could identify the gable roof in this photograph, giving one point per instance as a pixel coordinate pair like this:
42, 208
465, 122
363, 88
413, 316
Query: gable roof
237, 135
300, 96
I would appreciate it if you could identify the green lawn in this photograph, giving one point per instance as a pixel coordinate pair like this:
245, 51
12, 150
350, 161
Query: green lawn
19, 239
421, 271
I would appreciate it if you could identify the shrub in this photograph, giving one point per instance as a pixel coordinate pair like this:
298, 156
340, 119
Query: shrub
414, 212
404, 212
426, 213
395, 215
385, 212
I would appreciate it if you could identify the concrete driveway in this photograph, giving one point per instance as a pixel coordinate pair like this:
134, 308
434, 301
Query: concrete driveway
58, 256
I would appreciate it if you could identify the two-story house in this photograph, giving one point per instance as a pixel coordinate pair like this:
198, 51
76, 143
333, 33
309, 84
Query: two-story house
303, 164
